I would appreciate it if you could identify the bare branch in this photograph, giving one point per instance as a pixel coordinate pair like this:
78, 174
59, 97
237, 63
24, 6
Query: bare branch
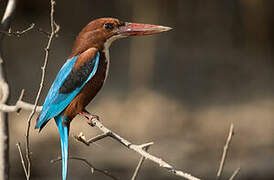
54, 30
9, 13
92, 168
5, 25
226, 147
57, 28
22, 158
235, 173
4, 95
140, 163
82, 138
19, 105
18, 33
146, 145
139, 149
43, 32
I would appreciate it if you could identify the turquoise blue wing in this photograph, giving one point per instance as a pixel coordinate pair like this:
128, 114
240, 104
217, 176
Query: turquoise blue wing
66, 86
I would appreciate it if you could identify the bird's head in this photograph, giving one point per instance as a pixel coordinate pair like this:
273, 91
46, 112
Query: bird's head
100, 33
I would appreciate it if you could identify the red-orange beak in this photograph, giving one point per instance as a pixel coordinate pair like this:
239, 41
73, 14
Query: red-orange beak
136, 29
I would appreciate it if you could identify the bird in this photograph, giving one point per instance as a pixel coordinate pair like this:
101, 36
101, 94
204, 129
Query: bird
84, 73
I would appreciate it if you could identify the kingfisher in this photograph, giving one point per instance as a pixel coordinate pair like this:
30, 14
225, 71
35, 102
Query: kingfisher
84, 73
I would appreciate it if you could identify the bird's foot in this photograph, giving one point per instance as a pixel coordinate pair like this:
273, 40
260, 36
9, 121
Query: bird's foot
90, 120
90, 117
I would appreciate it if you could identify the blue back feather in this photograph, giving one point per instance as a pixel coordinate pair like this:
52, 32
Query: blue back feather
56, 102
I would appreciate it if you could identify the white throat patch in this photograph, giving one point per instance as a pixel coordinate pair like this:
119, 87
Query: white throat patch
108, 43
106, 50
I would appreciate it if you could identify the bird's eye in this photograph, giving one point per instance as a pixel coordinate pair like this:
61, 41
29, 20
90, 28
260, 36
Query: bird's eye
109, 26
122, 24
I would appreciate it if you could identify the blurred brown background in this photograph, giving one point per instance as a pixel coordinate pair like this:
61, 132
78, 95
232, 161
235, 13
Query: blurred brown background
180, 89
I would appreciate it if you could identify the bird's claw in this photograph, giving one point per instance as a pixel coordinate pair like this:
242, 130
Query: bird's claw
91, 118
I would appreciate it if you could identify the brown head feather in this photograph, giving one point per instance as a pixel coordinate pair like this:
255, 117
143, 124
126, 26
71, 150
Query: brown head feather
95, 34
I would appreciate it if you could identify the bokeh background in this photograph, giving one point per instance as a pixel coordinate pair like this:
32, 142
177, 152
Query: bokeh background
180, 89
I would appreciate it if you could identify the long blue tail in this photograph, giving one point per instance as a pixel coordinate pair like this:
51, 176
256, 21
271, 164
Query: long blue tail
64, 131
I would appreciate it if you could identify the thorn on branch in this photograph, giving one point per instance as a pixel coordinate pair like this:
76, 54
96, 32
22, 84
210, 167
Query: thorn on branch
146, 145
57, 28
141, 161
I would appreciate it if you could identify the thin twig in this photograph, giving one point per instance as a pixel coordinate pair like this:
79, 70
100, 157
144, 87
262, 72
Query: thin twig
57, 28
226, 147
92, 168
235, 173
52, 35
22, 158
43, 32
140, 163
82, 138
18, 33
139, 149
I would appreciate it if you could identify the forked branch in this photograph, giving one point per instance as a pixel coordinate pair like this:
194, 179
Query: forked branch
18, 33
19, 105
140, 163
137, 148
